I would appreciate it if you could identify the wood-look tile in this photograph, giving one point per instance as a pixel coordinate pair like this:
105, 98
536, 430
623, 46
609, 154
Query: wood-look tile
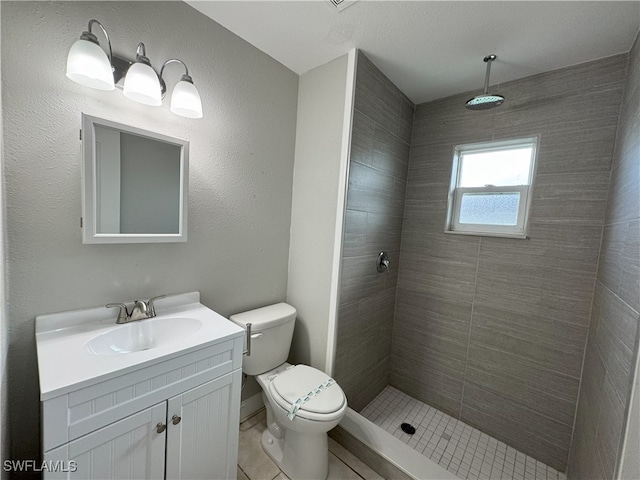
376, 96
405, 125
541, 114
445, 277
582, 151
534, 434
427, 197
438, 390
609, 428
553, 345
624, 196
362, 133
585, 461
580, 79
360, 278
462, 126
390, 154
516, 287
370, 190
620, 260
569, 198
614, 336
425, 351
565, 246
432, 316
383, 232
629, 289
431, 165
355, 233
542, 390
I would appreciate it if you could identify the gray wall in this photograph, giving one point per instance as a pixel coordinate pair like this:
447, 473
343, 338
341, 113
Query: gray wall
609, 362
240, 185
493, 330
381, 134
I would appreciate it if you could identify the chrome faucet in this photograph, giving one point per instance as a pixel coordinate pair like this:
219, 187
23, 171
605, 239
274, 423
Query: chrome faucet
140, 310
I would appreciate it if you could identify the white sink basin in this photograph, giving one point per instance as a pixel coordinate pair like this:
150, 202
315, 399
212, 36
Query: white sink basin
142, 335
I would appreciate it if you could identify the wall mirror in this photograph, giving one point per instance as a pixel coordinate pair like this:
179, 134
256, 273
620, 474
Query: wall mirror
135, 184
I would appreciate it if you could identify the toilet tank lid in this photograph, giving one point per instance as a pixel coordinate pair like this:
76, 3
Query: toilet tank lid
265, 317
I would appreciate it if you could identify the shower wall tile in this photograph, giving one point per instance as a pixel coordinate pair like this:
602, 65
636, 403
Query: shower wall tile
552, 344
576, 80
517, 425
620, 261
614, 329
542, 390
437, 389
577, 198
529, 300
585, 151
379, 161
450, 278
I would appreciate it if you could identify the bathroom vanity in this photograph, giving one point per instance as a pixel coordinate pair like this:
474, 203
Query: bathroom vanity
156, 398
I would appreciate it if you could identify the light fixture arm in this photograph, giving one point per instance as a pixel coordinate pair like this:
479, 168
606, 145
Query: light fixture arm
186, 77
92, 38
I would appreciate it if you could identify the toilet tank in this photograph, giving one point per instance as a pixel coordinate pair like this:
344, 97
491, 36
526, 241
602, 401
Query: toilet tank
271, 333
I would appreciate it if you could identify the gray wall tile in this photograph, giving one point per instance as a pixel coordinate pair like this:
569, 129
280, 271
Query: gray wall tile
615, 317
531, 299
379, 161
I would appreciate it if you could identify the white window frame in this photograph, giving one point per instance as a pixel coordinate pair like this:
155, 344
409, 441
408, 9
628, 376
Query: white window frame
524, 191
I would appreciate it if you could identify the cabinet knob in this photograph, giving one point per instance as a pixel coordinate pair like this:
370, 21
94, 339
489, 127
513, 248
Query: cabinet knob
160, 427
176, 419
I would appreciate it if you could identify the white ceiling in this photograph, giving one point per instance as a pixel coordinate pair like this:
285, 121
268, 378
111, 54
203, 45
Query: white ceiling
433, 49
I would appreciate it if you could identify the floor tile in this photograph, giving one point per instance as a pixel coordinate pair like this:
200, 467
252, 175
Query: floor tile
255, 464
443, 438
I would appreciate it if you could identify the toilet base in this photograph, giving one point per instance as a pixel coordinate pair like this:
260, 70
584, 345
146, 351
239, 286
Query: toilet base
299, 456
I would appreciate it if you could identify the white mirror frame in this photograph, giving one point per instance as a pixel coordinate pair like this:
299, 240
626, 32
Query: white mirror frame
89, 185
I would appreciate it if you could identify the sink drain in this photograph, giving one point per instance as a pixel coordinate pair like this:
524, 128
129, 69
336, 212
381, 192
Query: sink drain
408, 428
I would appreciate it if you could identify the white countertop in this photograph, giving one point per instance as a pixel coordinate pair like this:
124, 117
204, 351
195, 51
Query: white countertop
65, 365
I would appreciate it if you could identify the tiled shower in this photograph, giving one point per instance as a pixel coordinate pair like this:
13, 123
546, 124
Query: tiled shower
493, 331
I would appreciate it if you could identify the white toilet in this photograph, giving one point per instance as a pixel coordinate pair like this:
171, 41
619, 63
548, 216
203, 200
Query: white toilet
302, 403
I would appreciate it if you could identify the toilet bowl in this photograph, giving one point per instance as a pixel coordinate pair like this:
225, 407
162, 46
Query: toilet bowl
302, 402
298, 443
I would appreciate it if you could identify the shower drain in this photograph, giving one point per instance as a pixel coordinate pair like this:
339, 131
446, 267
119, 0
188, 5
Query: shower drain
408, 428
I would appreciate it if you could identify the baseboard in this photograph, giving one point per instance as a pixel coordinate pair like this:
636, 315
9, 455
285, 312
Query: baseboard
250, 406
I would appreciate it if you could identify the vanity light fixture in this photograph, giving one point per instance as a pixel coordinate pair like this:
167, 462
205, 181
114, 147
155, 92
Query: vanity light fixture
88, 65
185, 99
142, 84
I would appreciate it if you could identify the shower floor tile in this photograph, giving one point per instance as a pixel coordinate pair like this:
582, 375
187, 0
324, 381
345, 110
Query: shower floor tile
463, 450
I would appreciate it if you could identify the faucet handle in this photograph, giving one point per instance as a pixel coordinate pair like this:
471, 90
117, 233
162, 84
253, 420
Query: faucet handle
123, 314
152, 308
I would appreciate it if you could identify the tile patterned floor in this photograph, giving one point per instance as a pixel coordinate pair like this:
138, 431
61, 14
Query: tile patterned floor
454, 445
254, 464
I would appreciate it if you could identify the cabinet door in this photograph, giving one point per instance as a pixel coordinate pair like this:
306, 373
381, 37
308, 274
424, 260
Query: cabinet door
204, 443
128, 449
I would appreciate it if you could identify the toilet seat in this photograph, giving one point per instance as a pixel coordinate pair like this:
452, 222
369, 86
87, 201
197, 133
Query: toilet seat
297, 382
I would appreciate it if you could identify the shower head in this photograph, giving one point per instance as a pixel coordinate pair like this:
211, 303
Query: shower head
485, 101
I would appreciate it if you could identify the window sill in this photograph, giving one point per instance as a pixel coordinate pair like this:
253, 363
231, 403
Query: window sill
521, 236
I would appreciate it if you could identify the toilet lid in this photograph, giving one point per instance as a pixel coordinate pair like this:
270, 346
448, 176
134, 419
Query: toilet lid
297, 382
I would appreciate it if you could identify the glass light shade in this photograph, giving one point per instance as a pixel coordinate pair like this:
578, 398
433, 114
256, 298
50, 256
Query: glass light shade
185, 100
142, 85
88, 65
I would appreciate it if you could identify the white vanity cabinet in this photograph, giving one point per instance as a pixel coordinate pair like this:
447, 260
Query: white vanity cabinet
175, 416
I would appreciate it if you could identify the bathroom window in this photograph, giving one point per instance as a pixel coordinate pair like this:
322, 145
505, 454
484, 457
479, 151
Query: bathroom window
490, 191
